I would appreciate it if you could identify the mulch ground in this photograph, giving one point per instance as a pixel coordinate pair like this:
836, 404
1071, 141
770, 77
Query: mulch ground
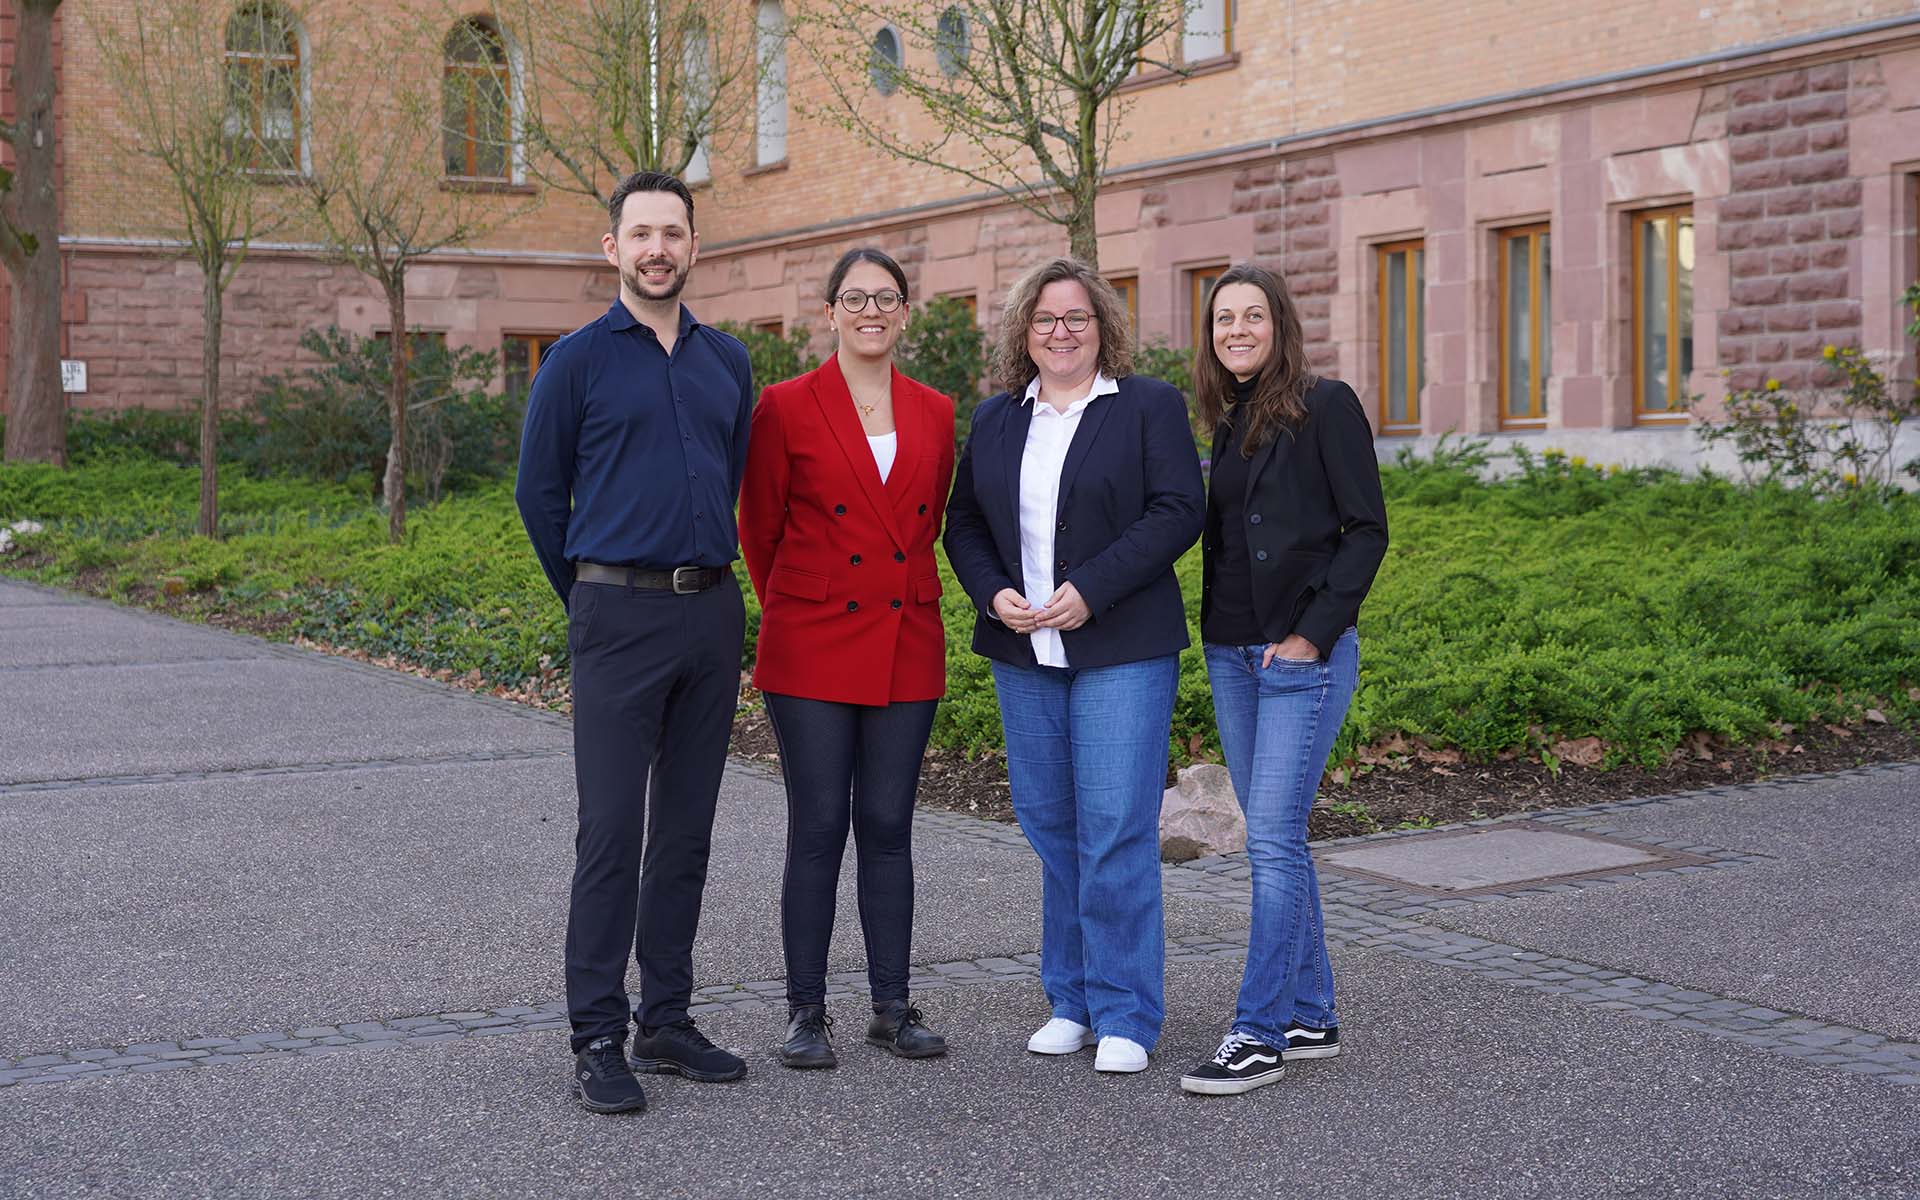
1398, 785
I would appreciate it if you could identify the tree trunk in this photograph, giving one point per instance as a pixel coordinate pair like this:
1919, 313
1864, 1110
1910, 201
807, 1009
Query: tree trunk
400, 358
211, 315
37, 426
1082, 242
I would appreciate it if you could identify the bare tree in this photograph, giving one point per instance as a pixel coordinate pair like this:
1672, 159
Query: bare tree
30, 246
208, 96
1018, 95
616, 86
420, 164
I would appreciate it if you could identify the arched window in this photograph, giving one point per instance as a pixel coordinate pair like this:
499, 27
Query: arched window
883, 63
477, 92
950, 43
770, 109
263, 88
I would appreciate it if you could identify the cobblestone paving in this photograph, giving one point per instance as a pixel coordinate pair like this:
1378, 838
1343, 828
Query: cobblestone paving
1360, 914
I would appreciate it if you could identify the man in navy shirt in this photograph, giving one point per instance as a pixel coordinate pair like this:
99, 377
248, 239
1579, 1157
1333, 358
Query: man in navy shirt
630, 464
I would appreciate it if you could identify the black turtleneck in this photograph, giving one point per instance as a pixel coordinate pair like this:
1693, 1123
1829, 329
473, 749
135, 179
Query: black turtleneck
1230, 618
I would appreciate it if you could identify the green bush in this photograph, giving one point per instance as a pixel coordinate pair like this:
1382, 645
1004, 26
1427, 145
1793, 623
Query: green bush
775, 358
945, 349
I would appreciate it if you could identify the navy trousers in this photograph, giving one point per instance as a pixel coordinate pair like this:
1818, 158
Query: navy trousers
656, 679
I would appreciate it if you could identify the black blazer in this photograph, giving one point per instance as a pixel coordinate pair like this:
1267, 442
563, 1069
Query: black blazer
1315, 524
1131, 503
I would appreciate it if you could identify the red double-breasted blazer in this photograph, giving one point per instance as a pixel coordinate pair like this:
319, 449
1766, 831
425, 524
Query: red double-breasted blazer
843, 564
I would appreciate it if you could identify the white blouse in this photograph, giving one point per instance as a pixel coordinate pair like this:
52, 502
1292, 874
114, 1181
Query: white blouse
1049, 434
884, 448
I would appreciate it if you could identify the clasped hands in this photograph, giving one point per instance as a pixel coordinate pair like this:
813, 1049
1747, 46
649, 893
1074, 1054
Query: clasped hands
1063, 610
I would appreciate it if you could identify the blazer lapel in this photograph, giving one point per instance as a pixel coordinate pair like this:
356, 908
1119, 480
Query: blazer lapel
908, 433
836, 406
1091, 419
1261, 458
1013, 448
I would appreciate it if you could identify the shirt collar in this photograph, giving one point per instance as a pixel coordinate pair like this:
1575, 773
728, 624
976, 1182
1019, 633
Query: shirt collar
1102, 386
620, 318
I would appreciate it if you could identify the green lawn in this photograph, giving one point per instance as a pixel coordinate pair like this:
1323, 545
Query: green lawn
1562, 604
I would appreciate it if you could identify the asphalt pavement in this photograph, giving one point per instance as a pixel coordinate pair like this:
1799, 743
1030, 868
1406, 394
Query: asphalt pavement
283, 925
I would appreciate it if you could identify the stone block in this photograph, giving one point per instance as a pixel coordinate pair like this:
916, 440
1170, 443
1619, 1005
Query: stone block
1789, 318
1749, 264
1200, 815
1736, 321
1758, 118
1837, 314
1787, 143
1842, 193
1827, 137
1758, 291
1787, 86
1818, 285
1750, 91
1733, 353
1827, 255
1843, 225
1789, 202
1826, 106
1749, 147
1786, 261
1756, 176
1766, 233
1741, 208
1830, 77
1806, 229
1817, 168
1807, 346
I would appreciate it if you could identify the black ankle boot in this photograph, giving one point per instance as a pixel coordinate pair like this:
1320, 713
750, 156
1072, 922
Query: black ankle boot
809, 1043
899, 1029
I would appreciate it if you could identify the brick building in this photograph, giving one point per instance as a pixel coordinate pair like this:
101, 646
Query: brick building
1495, 220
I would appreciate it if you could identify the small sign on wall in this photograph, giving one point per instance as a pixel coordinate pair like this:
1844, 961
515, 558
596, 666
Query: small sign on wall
73, 375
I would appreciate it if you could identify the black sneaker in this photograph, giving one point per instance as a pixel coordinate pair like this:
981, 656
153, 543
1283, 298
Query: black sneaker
1242, 1064
1304, 1041
605, 1081
680, 1049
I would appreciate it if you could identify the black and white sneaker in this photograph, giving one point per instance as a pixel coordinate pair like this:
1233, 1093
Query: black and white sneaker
604, 1081
1242, 1064
1304, 1041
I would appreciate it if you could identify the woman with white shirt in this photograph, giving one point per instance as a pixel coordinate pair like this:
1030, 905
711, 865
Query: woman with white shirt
847, 468
1078, 489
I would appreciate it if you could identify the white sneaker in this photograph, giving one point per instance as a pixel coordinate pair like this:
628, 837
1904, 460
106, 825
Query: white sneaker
1120, 1056
1060, 1036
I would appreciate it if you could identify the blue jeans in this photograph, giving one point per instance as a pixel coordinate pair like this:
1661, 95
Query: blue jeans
1087, 763
1277, 725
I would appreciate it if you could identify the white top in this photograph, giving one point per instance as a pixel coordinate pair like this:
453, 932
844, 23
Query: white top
1048, 436
884, 448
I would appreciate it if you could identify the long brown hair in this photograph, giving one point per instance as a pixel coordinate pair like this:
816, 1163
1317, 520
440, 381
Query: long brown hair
1013, 368
1279, 388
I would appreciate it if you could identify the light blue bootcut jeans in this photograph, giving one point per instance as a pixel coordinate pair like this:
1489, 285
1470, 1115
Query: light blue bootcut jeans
1087, 763
1277, 725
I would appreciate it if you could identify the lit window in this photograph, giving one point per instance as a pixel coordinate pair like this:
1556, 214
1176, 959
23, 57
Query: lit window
1662, 311
770, 25
476, 87
1209, 31
1401, 319
263, 88
1526, 324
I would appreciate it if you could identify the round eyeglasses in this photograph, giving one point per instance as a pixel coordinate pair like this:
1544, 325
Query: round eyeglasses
1075, 321
854, 300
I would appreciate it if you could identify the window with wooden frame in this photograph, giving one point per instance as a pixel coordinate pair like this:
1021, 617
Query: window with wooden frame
1526, 324
1199, 287
968, 301
520, 357
477, 90
1662, 311
1401, 321
1208, 32
777, 326
1129, 288
263, 116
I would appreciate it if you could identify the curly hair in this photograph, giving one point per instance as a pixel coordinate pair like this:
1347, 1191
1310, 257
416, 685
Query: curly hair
1280, 387
1013, 368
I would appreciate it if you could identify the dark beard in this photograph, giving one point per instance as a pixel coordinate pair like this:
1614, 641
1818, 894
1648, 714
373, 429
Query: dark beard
637, 285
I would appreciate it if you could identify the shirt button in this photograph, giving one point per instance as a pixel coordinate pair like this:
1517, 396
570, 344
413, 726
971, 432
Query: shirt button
855, 560
1254, 519
840, 510
853, 606
896, 604
899, 557
1261, 555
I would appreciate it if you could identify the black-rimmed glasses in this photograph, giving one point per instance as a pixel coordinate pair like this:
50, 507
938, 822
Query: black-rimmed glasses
854, 300
1076, 321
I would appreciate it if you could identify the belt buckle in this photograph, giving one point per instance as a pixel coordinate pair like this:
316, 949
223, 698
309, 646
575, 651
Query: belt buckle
683, 591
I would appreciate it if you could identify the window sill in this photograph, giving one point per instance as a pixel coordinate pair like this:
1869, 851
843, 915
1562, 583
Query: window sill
1523, 425
1661, 418
1399, 431
271, 177
778, 164
1206, 66
497, 187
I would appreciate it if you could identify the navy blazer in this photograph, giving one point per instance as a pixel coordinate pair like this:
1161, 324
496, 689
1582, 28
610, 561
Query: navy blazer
1131, 502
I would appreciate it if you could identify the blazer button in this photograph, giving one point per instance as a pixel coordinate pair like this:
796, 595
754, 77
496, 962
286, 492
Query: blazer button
853, 606
855, 560
896, 604
1254, 519
899, 557
923, 510
1261, 555
1062, 527
1062, 564
840, 510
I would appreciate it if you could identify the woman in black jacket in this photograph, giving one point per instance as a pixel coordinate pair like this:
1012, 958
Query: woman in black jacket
1295, 529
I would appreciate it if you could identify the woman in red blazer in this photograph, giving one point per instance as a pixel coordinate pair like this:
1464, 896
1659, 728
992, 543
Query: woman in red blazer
848, 469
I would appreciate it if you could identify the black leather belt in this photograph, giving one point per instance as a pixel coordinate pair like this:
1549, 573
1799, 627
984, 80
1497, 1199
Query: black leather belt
681, 581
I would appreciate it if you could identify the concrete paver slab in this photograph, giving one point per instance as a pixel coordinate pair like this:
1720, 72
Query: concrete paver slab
1487, 857
1424, 1105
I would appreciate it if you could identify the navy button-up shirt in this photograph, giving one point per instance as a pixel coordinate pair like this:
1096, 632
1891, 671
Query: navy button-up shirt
632, 456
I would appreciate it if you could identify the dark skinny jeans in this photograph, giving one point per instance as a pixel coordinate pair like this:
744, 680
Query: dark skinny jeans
849, 766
